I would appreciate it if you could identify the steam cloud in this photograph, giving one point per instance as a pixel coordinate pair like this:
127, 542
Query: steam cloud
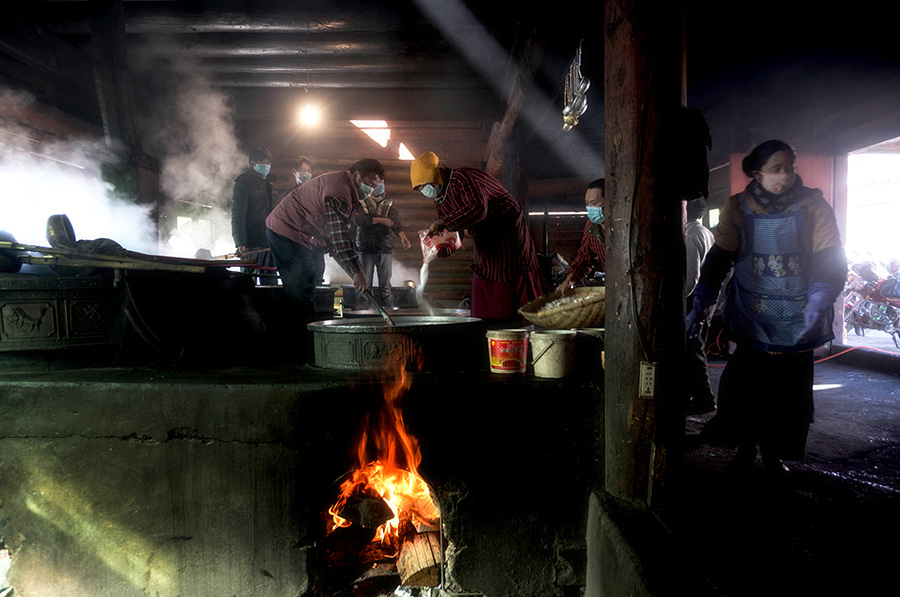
189, 127
42, 177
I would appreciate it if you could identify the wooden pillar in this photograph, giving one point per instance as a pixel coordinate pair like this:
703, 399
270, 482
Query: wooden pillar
528, 62
115, 96
114, 90
644, 86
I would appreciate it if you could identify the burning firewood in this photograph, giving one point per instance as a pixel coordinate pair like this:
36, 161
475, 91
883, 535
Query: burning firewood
367, 511
419, 563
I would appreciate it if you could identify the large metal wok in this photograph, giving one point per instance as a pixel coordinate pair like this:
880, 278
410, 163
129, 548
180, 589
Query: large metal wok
368, 343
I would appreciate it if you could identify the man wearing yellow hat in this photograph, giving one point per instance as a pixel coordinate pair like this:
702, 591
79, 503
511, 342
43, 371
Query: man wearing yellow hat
505, 262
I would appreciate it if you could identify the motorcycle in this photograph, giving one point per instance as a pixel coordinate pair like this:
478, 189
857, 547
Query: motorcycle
872, 302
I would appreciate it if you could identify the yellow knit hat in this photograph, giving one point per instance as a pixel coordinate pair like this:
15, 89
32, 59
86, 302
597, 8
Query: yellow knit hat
424, 169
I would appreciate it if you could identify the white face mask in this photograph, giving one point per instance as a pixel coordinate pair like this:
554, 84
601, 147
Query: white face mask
302, 176
777, 183
429, 190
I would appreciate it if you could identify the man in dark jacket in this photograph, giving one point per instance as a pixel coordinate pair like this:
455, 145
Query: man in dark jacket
252, 201
376, 221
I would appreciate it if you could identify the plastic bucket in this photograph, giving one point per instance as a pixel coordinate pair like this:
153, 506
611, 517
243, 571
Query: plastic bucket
508, 350
553, 352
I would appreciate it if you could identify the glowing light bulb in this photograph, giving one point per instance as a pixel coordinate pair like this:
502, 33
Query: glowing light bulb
309, 115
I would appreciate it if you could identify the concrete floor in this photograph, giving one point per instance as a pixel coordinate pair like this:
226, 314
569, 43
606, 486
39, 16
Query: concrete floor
830, 527
874, 339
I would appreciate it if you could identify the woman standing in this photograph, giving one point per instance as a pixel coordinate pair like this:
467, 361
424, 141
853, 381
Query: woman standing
782, 240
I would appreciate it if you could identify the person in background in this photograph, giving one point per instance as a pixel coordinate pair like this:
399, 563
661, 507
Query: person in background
783, 242
592, 252
698, 240
251, 202
376, 221
313, 218
505, 261
301, 171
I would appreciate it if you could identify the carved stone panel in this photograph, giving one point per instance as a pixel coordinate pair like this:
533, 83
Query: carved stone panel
28, 320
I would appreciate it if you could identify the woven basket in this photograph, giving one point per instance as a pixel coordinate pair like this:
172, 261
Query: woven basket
587, 311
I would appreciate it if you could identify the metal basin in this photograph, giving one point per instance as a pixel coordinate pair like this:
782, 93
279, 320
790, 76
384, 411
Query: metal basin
366, 344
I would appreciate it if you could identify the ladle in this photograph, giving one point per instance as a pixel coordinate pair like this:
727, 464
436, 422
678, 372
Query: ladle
369, 295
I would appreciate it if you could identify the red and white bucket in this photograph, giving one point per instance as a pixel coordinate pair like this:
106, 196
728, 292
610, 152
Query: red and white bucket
508, 350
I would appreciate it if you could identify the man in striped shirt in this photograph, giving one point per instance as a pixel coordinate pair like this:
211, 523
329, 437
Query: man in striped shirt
505, 262
591, 254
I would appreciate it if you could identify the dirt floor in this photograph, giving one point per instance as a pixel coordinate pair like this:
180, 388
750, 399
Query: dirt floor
829, 527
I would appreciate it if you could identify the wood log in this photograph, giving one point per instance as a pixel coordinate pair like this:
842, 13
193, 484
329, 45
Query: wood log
367, 511
419, 563
381, 579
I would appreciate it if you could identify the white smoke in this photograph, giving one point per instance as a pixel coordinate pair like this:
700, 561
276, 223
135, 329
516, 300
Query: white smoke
41, 178
189, 127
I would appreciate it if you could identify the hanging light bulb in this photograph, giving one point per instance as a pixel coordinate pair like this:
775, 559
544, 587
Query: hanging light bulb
309, 115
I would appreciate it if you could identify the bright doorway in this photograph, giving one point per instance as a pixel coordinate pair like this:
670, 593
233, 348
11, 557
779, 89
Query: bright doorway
873, 216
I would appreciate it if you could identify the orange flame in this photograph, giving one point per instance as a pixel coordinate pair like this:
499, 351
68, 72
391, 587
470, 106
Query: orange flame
393, 473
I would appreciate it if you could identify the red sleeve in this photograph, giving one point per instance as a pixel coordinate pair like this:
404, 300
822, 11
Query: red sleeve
591, 255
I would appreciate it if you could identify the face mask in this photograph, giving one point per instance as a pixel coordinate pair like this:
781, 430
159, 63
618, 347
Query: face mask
262, 169
595, 214
379, 190
303, 177
365, 190
430, 191
777, 183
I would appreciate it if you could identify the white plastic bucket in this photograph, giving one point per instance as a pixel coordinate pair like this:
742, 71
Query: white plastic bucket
508, 350
553, 352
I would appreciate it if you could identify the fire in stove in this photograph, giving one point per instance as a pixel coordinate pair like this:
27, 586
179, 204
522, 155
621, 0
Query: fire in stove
385, 509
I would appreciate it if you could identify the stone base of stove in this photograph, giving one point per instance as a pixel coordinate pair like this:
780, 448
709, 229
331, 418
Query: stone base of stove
125, 483
50, 312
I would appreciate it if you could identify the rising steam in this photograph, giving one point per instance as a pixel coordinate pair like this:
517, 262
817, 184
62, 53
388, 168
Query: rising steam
189, 127
42, 176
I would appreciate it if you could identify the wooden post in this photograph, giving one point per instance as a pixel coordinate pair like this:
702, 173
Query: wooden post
644, 86
115, 96
528, 62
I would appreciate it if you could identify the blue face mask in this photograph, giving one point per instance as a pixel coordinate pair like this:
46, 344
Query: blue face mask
365, 190
303, 177
430, 191
379, 190
262, 169
595, 214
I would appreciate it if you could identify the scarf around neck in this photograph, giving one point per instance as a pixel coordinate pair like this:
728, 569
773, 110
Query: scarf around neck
773, 204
